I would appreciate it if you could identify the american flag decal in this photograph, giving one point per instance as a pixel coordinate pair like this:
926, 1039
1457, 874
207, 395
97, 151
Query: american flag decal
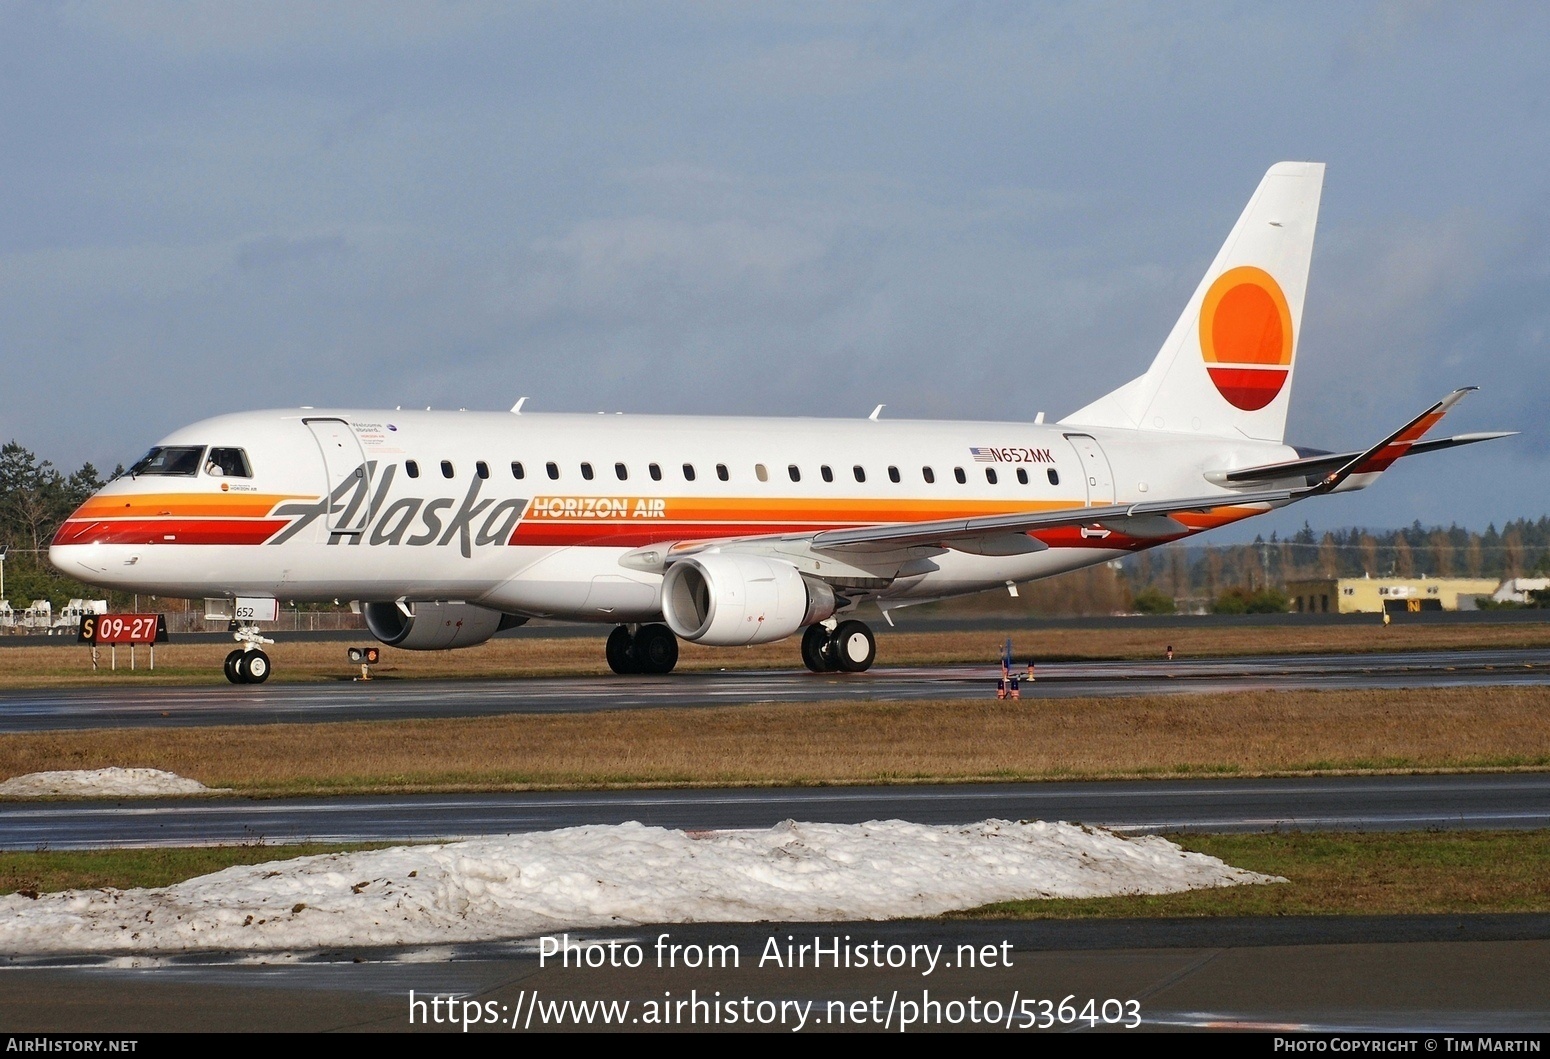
982, 455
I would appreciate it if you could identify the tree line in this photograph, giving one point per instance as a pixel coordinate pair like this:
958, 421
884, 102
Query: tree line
35, 498
1204, 573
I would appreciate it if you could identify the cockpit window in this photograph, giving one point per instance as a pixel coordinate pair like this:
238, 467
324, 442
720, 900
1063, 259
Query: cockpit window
180, 460
228, 463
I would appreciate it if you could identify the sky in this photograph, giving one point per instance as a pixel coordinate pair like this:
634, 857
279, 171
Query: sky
973, 210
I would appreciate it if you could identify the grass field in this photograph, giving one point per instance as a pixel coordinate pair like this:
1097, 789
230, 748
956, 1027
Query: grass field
1406, 873
185, 663
1329, 874
839, 742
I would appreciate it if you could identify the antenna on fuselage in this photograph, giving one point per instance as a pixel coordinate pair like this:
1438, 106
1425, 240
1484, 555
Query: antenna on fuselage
877, 412
516, 409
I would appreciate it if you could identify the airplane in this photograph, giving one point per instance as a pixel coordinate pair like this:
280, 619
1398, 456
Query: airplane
448, 527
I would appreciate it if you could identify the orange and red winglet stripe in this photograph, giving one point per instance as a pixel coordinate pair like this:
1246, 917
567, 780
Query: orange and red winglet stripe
1385, 457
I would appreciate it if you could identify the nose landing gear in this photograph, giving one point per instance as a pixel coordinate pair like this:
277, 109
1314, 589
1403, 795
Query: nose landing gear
650, 649
248, 664
849, 647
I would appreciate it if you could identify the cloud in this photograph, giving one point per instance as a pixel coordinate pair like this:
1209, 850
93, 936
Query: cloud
975, 210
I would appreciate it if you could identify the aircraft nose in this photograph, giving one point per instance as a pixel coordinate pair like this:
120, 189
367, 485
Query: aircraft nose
81, 561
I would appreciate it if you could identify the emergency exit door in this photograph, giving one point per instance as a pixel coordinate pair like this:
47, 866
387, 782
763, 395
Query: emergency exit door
348, 477
1096, 474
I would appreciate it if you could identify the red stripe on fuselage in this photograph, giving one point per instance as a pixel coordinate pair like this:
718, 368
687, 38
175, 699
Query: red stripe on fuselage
170, 531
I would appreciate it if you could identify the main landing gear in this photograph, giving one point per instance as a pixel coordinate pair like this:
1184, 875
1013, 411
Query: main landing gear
849, 647
248, 664
649, 649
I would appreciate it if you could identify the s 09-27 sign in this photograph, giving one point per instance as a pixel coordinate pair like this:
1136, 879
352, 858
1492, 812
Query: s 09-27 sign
97, 629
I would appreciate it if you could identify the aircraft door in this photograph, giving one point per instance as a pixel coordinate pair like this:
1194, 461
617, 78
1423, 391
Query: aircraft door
1095, 469
349, 478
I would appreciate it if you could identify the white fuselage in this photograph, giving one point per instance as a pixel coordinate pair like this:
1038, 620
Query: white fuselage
532, 514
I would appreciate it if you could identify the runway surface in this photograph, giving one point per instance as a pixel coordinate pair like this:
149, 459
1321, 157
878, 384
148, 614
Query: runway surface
1368, 803
387, 699
1349, 974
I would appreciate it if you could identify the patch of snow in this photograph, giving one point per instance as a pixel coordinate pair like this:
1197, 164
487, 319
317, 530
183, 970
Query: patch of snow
102, 783
522, 885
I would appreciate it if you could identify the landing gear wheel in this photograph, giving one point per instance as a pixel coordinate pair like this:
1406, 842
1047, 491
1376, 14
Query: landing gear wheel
621, 652
818, 654
854, 646
233, 672
253, 667
656, 649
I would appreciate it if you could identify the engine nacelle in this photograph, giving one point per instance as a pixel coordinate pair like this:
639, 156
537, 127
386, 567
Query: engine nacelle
435, 626
730, 600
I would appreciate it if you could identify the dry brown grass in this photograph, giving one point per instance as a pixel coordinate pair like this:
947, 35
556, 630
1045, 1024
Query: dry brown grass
1328, 874
183, 663
1403, 873
815, 743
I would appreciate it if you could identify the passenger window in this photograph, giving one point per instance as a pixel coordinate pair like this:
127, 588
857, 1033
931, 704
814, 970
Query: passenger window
928, 474
893, 475
446, 468
621, 472
827, 474
411, 468
688, 472
228, 463
1054, 476
796, 475
721, 471
760, 473
554, 471
482, 469
517, 470
958, 474
860, 473
586, 471
990, 475
656, 472
1022, 476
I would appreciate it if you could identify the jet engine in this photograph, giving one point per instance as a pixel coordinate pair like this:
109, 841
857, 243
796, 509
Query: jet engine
731, 600
434, 626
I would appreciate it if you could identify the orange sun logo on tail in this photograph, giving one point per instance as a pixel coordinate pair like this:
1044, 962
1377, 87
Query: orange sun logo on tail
1246, 337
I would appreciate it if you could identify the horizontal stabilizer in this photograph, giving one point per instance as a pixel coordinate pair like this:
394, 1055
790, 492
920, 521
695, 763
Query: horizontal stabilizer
1312, 467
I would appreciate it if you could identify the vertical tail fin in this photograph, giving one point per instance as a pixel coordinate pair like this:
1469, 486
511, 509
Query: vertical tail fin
1226, 368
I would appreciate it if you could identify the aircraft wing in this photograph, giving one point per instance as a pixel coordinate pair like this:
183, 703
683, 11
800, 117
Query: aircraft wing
1148, 519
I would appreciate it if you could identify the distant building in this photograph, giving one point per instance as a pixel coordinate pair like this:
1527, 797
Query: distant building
1374, 595
1516, 589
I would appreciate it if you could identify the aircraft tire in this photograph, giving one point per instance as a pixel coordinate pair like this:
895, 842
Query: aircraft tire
854, 646
233, 672
656, 649
816, 655
620, 651
254, 667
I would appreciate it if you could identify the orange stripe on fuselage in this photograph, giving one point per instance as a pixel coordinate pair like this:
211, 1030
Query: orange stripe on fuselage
181, 505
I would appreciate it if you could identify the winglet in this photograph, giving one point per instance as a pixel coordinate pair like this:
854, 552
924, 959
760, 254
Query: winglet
1381, 456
